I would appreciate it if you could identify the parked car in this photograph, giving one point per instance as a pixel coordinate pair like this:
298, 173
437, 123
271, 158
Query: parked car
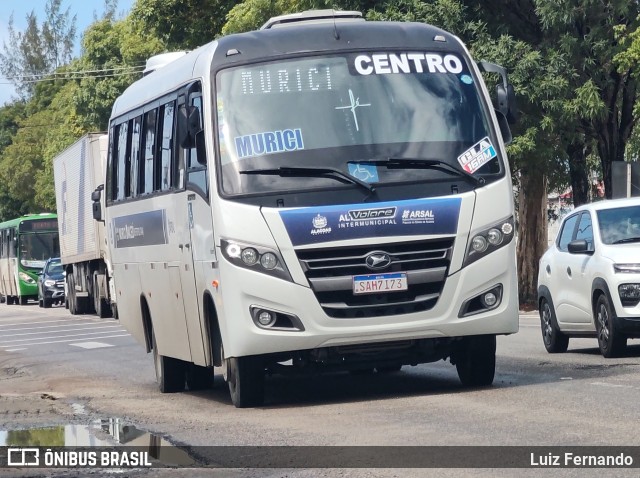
589, 279
51, 283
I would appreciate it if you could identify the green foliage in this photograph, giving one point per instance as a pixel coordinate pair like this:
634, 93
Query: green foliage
181, 24
252, 14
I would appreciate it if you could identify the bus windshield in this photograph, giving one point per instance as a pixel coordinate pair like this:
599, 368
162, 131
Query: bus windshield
35, 249
361, 114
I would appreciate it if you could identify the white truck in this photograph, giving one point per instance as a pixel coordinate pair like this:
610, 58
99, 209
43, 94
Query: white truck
78, 171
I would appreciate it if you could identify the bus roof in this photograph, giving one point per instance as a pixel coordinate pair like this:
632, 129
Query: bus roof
258, 45
28, 217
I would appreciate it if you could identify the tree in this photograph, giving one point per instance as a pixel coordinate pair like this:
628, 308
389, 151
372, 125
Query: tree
591, 34
181, 24
39, 50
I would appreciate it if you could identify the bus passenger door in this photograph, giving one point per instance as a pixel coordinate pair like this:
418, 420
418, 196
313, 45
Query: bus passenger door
199, 250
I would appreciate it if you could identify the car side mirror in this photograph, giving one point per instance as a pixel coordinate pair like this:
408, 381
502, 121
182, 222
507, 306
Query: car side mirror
579, 246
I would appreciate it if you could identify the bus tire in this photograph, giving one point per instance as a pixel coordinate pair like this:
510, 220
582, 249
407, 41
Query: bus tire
476, 360
170, 372
199, 378
245, 377
103, 310
23, 300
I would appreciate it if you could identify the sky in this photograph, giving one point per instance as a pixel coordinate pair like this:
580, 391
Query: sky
84, 9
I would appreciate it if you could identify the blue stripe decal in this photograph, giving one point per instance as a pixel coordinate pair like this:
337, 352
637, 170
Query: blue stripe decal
353, 221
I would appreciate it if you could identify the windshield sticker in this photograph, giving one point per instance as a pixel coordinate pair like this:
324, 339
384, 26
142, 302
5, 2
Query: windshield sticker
269, 142
466, 79
477, 155
355, 103
435, 216
365, 172
388, 63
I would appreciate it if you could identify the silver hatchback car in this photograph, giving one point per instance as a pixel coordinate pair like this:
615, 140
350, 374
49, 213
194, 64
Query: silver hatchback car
589, 279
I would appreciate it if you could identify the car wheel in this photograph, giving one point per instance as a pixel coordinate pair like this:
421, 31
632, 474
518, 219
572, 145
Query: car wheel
40, 303
475, 360
170, 372
46, 303
554, 341
611, 342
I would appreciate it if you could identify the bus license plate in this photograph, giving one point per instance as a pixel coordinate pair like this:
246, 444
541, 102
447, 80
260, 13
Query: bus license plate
376, 283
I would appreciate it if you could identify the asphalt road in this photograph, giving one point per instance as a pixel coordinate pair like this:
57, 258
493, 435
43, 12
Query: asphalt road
89, 378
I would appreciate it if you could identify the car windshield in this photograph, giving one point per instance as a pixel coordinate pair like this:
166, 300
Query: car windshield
619, 225
54, 268
360, 114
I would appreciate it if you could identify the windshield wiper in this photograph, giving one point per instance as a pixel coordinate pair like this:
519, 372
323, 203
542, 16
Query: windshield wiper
626, 240
424, 163
298, 172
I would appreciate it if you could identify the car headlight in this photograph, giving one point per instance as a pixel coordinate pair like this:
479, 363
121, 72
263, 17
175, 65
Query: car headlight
49, 283
24, 277
627, 268
254, 257
488, 240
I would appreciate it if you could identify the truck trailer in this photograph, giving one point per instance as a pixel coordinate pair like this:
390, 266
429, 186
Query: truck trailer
78, 171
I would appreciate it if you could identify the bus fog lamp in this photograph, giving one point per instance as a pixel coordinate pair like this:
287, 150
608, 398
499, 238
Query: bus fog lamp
494, 236
266, 318
268, 260
249, 256
507, 228
479, 244
489, 299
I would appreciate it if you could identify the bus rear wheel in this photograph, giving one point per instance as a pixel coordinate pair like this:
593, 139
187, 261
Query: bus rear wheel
170, 372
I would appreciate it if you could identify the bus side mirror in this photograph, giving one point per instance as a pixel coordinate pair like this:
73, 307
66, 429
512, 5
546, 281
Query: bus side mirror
96, 206
505, 130
188, 125
506, 94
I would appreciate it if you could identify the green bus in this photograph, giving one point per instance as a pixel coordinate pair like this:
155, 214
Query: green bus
25, 244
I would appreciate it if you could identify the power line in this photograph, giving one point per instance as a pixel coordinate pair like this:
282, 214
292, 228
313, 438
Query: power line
72, 74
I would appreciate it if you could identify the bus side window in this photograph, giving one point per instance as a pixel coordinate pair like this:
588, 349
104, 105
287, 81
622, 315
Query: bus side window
121, 172
197, 173
13, 243
149, 149
164, 159
134, 157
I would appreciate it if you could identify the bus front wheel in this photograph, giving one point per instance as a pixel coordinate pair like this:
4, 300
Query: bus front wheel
475, 360
23, 300
245, 378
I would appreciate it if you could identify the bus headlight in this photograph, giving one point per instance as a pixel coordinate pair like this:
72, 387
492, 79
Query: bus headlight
255, 257
488, 240
26, 278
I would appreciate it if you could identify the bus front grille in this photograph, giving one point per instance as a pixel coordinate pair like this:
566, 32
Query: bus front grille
330, 273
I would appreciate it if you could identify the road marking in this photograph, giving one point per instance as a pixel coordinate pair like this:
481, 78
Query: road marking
90, 327
14, 350
27, 322
68, 340
80, 323
56, 337
91, 345
611, 385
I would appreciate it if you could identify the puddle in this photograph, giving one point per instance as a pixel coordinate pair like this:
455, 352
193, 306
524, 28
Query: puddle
99, 433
